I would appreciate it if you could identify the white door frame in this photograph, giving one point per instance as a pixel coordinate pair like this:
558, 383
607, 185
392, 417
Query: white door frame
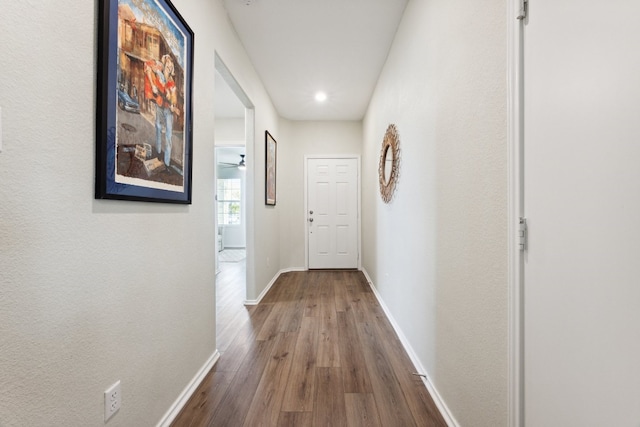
515, 140
306, 209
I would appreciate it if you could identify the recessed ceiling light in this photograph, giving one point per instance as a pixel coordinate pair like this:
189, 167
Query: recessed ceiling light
321, 96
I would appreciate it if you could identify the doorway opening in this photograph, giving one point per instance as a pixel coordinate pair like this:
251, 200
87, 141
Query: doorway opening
231, 202
234, 148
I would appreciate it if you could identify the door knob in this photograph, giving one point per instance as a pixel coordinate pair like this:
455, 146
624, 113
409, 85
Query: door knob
310, 219
310, 212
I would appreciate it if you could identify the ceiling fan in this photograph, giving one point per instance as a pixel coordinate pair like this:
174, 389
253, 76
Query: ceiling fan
240, 165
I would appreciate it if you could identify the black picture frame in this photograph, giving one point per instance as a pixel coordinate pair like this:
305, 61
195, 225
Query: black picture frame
145, 90
270, 168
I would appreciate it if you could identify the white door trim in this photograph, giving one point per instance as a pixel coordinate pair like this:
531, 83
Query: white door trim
304, 213
515, 128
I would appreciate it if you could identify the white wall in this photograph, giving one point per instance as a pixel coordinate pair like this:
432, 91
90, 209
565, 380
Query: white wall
229, 132
97, 291
295, 140
438, 253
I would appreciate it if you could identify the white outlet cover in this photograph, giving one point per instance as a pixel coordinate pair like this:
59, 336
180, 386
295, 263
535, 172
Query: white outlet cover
112, 400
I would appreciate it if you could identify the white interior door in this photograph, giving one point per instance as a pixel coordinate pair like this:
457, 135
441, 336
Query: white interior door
582, 203
332, 212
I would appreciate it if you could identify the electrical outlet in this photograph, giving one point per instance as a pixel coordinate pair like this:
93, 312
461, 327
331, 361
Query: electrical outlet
112, 400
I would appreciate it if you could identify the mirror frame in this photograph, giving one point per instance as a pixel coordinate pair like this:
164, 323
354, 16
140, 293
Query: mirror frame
390, 144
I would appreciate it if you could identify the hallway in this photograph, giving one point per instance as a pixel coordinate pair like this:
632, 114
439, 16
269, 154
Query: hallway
318, 350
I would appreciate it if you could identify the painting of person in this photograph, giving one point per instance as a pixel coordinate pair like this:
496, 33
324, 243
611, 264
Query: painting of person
160, 89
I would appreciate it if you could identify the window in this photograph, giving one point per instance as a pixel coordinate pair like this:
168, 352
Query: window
229, 199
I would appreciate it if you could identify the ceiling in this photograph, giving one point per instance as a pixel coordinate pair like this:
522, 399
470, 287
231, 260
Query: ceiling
300, 47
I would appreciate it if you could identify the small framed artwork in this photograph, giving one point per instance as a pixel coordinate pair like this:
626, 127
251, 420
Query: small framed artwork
144, 112
271, 151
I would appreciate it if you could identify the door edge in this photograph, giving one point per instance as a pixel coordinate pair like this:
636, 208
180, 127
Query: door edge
515, 93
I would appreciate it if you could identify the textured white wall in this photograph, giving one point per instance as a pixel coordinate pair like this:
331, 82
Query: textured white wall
97, 291
296, 140
438, 253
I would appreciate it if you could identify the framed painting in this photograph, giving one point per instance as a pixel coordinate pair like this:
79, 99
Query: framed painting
144, 112
271, 152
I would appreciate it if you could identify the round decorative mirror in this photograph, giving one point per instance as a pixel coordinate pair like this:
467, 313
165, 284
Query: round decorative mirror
389, 165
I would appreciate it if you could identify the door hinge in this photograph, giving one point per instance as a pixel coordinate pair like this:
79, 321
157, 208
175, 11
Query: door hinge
524, 6
522, 233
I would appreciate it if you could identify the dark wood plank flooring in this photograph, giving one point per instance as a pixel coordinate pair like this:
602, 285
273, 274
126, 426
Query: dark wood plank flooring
317, 351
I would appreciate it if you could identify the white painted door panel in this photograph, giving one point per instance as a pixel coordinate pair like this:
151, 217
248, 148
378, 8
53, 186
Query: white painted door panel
332, 217
582, 202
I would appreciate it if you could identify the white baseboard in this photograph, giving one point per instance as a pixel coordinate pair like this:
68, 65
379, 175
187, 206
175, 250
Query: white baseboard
183, 398
437, 399
264, 292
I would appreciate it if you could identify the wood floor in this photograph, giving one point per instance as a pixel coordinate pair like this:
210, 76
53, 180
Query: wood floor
317, 351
